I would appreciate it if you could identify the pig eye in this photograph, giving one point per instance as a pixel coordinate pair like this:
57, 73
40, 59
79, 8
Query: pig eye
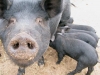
40, 21
12, 20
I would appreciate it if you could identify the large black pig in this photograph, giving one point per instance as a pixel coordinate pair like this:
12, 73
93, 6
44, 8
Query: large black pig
26, 27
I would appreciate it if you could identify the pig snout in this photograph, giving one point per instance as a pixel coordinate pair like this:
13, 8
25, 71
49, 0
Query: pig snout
23, 48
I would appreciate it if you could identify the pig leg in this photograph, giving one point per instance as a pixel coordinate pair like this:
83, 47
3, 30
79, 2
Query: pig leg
0, 54
70, 20
78, 69
41, 61
21, 71
66, 14
90, 69
60, 57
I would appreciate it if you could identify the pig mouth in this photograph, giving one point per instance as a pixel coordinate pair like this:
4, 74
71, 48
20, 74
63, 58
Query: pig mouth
23, 58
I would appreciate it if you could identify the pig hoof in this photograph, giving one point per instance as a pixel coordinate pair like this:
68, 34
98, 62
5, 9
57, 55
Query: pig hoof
57, 62
21, 71
0, 55
21, 74
70, 20
70, 74
41, 63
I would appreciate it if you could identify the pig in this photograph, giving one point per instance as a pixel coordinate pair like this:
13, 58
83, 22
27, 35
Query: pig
82, 36
83, 53
79, 27
70, 30
19, 40
27, 26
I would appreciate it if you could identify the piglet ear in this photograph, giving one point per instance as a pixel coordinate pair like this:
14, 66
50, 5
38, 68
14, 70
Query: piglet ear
52, 7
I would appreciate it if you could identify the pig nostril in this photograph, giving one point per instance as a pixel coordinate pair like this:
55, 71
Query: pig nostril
30, 45
16, 45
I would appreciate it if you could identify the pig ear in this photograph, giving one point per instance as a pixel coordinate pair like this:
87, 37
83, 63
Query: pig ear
52, 7
5, 5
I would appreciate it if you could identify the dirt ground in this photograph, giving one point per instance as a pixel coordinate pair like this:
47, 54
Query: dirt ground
86, 12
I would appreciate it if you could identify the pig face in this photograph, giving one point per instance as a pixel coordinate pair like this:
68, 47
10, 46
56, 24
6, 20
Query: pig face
25, 29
